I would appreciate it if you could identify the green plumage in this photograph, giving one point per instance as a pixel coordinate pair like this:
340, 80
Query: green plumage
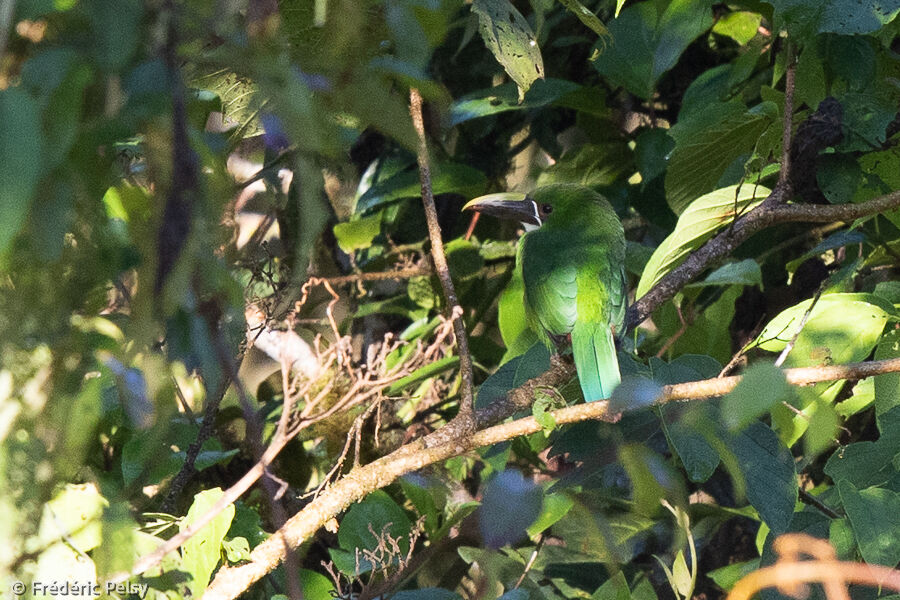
573, 269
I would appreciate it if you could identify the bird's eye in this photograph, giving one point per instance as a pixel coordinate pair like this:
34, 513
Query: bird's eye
546, 209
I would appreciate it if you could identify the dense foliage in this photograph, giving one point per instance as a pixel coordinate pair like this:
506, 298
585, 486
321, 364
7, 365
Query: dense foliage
212, 243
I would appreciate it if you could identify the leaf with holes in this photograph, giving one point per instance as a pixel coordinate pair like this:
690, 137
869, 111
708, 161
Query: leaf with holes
508, 36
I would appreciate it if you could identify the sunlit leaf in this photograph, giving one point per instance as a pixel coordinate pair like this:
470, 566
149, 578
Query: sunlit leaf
201, 553
699, 222
762, 386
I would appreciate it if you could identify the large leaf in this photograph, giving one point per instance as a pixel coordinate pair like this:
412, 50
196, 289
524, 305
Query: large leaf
762, 386
699, 222
865, 464
887, 386
713, 144
201, 553
846, 17
840, 328
503, 98
647, 42
20, 160
446, 178
509, 37
874, 514
769, 474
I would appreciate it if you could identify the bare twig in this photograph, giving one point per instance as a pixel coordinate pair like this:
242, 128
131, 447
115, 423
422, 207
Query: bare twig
467, 390
232, 581
790, 345
408, 273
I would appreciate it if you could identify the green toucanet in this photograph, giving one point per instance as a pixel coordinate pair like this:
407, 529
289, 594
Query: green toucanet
573, 268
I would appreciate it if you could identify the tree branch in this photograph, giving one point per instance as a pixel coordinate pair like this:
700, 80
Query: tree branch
784, 177
771, 212
465, 418
232, 581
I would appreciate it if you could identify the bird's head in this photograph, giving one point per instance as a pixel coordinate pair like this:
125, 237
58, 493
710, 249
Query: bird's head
558, 203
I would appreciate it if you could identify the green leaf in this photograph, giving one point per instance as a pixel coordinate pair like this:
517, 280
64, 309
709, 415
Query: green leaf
652, 479
823, 428
887, 386
769, 473
357, 234
874, 514
512, 374
741, 26
762, 387
556, 506
446, 178
707, 143
584, 15
725, 577
201, 553
422, 373
504, 98
20, 160
508, 36
615, 588
868, 463
517, 335
698, 458
681, 576
316, 586
378, 512
845, 17
116, 31
862, 398
699, 222
74, 515
646, 44
841, 328
745, 272
421, 492
590, 165
236, 549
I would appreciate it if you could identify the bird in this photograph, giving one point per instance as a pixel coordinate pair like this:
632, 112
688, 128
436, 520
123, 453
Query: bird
572, 263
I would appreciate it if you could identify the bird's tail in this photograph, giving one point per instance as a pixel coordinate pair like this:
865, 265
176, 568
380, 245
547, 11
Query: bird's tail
595, 360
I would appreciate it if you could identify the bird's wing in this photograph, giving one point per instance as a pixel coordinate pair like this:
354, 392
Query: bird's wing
550, 284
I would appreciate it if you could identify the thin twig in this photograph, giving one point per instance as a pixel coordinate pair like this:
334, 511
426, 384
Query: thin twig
784, 177
790, 345
467, 389
408, 273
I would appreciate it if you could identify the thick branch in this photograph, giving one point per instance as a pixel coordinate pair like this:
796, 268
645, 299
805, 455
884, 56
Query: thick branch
467, 391
772, 211
231, 582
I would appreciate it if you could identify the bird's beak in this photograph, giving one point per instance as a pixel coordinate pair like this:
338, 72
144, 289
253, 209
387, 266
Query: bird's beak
507, 205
